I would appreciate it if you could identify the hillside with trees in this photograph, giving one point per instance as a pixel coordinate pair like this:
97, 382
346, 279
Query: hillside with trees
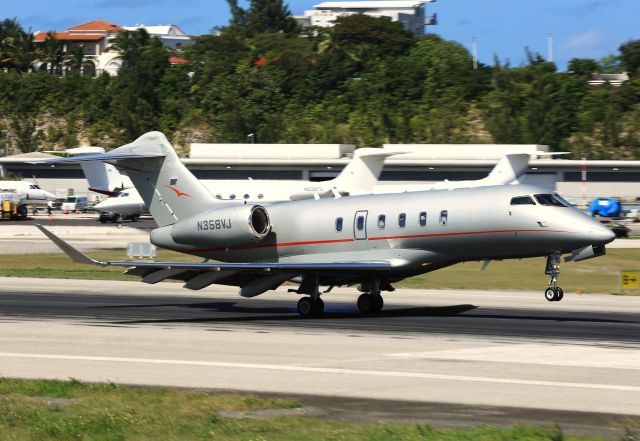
365, 81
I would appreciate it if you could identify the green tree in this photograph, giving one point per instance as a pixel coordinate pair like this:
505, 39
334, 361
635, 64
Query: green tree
51, 52
136, 103
583, 66
261, 16
630, 57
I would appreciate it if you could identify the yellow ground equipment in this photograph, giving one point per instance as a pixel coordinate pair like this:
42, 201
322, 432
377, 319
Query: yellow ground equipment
12, 206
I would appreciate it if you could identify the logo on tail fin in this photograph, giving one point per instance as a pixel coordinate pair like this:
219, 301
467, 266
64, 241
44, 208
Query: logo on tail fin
175, 190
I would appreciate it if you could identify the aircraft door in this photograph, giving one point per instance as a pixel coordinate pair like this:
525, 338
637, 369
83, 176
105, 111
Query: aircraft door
360, 225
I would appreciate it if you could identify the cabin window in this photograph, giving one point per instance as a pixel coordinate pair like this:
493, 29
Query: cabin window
232, 196
246, 196
423, 218
339, 223
522, 200
218, 196
402, 220
260, 196
381, 221
444, 217
360, 223
553, 200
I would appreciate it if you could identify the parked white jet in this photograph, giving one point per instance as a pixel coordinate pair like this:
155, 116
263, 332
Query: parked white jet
34, 194
358, 177
371, 241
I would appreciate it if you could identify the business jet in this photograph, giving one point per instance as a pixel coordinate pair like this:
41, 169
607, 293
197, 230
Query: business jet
370, 241
359, 177
34, 195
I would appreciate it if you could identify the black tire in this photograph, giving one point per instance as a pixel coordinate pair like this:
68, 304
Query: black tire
559, 294
365, 303
318, 307
550, 294
305, 307
378, 303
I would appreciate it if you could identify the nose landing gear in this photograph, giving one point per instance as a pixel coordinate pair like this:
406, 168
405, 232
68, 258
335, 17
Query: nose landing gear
554, 293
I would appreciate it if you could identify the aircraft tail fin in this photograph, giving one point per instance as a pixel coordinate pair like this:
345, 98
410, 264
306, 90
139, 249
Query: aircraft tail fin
166, 186
362, 172
168, 189
508, 169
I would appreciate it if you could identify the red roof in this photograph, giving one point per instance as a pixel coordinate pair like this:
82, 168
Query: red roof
66, 36
96, 25
176, 60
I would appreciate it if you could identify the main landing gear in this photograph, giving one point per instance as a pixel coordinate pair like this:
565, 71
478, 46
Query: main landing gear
371, 302
553, 293
310, 306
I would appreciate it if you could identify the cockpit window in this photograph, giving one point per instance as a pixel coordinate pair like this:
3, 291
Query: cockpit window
551, 200
522, 200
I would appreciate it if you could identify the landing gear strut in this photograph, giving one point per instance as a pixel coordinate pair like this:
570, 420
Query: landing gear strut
553, 293
311, 306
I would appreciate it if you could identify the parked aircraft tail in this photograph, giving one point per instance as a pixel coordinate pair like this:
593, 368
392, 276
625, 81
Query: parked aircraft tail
362, 172
102, 177
508, 169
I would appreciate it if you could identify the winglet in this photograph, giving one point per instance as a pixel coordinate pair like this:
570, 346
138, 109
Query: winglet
70, 251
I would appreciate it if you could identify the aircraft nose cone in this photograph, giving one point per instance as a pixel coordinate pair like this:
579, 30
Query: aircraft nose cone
602, 235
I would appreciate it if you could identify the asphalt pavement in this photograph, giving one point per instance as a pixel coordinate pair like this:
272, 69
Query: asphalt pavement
443, 357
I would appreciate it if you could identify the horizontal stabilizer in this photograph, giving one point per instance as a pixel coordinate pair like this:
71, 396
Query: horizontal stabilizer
107, 157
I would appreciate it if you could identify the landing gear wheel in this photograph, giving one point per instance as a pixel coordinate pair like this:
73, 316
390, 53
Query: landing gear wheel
369, 303
308, 307
550, 294
559, 294
378, 303
305, 307
318, 307
364, 303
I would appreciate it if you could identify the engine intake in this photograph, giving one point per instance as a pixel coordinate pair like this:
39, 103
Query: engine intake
224, 227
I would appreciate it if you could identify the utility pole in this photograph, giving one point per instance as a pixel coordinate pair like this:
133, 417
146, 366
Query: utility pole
474, 50
550, 47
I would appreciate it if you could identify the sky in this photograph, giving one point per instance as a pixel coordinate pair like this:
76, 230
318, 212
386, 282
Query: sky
503, 28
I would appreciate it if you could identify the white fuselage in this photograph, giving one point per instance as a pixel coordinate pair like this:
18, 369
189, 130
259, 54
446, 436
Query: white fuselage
34, 195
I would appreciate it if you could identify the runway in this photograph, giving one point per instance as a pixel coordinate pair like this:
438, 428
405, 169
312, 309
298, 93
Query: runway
432, 356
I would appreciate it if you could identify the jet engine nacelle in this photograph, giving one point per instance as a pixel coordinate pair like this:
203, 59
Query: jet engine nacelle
224, 227
586, 253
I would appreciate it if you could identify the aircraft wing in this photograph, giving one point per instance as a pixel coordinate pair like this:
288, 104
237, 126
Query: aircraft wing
254, 277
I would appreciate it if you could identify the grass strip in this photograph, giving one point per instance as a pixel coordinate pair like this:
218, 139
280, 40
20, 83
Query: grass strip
69, 410
599, 275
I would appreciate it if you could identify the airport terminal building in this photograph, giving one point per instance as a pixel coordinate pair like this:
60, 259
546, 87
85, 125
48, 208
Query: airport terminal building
575, 179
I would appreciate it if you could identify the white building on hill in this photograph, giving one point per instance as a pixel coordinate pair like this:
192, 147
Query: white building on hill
96, 38
410, 13
170, 35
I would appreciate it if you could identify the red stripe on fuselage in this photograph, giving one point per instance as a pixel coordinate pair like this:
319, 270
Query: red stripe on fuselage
330, 241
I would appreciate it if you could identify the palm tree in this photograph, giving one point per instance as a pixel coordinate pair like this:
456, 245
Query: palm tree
19, 52
75, 58
51, 52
